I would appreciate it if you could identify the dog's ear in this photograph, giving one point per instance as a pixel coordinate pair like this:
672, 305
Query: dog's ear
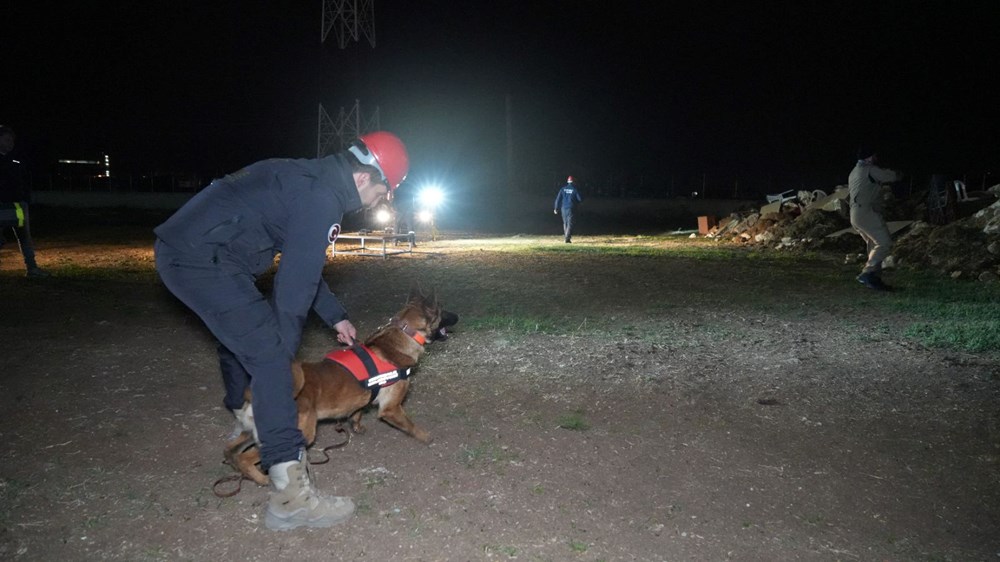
416, 295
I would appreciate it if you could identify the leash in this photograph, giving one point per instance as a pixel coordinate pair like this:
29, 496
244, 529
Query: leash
239, 478
339, 428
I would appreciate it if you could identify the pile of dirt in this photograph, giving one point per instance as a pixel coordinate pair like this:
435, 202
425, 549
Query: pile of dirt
968, 247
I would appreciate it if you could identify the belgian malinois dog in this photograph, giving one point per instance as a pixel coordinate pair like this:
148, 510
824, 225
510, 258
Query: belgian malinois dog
345, 382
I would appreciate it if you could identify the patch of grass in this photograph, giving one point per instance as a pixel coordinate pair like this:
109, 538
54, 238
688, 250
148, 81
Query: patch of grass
630, 251
814, 519
621, 245
375, 478
98, 522
511, 323
374, 481
124, 272
363, 504
716, 332
153, 553
951, 314
485, 452
578, 546
508, 551
574, 421
980, 335
671, 247
9, 491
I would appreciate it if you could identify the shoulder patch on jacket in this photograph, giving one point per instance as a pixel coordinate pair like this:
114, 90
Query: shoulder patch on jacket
333, 233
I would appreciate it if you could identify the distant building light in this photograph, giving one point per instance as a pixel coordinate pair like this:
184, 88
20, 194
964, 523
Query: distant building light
79, 162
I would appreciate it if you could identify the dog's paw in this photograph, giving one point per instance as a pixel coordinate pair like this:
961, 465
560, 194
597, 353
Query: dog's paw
422, 436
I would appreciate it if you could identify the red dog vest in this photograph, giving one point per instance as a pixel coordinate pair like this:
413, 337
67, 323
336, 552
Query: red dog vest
369, 369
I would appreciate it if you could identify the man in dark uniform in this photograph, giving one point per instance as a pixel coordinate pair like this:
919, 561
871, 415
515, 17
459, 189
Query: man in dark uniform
14, 194
566, 200
209, 254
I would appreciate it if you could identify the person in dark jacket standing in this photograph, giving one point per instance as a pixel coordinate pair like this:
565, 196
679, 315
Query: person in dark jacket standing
566, 201
14, 193
209, 254
865, 186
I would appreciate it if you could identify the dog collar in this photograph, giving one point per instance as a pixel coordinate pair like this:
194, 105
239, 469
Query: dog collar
417, 336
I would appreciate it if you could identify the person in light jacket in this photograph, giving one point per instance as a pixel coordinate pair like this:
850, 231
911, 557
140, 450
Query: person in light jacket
865, 187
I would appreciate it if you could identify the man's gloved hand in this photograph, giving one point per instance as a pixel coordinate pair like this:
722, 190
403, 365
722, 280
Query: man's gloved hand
555, 211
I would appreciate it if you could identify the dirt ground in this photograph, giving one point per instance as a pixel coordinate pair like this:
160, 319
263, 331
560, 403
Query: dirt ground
591, 405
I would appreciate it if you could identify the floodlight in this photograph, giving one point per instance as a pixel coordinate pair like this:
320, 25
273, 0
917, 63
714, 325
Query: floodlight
430, 197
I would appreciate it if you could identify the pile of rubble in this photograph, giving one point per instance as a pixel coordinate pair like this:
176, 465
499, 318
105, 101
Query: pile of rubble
968, 247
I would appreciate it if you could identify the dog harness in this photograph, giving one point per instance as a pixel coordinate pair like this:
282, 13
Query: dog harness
370, 371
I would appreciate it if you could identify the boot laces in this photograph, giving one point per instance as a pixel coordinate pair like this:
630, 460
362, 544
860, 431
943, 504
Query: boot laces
305, 480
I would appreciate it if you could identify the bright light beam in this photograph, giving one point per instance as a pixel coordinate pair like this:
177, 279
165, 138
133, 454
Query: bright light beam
430, 197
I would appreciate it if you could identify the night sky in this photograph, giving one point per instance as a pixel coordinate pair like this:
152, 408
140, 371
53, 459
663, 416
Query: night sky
777, 95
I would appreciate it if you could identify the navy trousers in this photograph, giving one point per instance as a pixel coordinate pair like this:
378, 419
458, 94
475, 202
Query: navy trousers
23, 236
567, 216
250, 349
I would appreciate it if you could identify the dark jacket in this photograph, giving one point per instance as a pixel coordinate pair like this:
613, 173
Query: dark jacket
294, 207
568, 195
13, 188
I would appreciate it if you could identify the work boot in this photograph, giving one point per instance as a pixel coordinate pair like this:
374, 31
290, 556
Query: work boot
294, 503
873, 281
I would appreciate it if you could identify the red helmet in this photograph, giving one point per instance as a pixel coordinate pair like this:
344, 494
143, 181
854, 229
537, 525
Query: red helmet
569, 179
386, 152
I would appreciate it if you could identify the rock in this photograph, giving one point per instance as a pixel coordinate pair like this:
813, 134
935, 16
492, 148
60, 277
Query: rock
956, 274
993, 248
991, 217
988, 277
889, 262
765, 236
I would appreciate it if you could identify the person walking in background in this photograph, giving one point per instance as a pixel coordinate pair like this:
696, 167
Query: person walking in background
403, 202
15, 194
209, 254
566, 200
865, 186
